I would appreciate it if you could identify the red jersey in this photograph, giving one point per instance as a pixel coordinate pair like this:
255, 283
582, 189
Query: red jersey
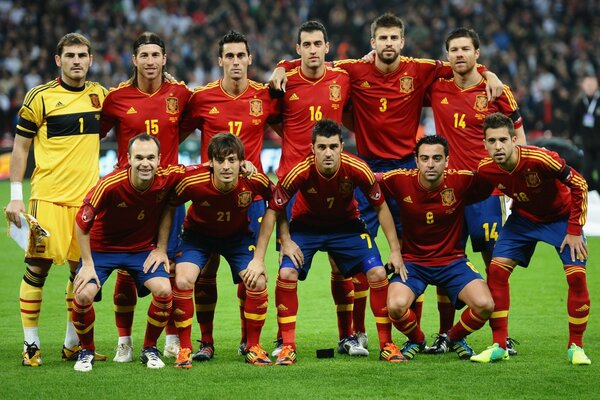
543, 187
122, 219
322, 201
386, 107
212, 110
215, 213
131, 111
432, 220
305, 102
459, 115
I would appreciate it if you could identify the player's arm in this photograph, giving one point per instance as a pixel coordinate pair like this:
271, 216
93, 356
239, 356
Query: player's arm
288, 246
574, 236
159, 256
18, 165
493, 86
389, 230
83, 224
256, 267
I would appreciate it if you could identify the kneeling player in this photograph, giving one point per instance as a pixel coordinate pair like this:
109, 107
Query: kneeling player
432, 201
117, 227
325, 217
217, 223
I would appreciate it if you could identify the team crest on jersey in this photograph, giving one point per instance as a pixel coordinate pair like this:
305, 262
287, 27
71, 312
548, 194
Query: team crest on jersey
481, 103
335, 92
448, 197
172, 105
346, 186
95, 100
532, 179
406, 84
244, 199
256, 108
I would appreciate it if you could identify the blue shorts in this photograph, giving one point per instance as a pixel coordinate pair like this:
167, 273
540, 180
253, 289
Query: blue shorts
351, 246
367, 212
174, 244
520, 235
483, 222
255, 213
133, 263
452, 278
238, 250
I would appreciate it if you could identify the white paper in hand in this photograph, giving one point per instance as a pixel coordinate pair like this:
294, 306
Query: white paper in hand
30, 232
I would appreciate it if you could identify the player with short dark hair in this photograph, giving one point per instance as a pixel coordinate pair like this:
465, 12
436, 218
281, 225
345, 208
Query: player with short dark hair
549, 205
242, 107
316, 92
432, 200
118, 228
147, 102
60, 118
217, 223
325, 218
459, 107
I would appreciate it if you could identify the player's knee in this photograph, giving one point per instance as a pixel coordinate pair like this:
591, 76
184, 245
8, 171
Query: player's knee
289, 274
261, 284
484, 306
183, 282
86, 296
161, 289
376, 274
397, 306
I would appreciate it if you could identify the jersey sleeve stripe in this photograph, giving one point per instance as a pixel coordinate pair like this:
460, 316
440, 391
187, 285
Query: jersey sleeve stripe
38, 89
190, 180
260, 178
105, 184
510, 97
359, 166
297, 170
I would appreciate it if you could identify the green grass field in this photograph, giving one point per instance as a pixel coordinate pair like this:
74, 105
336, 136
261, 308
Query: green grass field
538, 320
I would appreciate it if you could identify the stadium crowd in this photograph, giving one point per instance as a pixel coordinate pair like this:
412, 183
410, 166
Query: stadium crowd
541, 48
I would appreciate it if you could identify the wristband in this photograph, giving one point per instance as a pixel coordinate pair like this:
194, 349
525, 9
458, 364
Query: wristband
16, 191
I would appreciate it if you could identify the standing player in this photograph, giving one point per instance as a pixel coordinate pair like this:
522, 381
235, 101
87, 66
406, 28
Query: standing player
61, 119
387, 97
242, 107
432, 202
217, 223
325, 217
315, 92
145, 103
549, 205
117, 227
459, 107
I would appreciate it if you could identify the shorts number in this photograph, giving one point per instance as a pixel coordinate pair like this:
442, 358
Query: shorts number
141, 215
235, 127
490, 234
383, 102
223, 216
330, 202
470, 264
429, 218
151, 126
367, 237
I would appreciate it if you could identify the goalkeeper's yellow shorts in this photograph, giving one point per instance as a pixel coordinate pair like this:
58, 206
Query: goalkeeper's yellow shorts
61, 246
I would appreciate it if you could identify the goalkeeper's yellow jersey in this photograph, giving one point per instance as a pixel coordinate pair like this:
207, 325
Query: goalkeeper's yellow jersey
64, 123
